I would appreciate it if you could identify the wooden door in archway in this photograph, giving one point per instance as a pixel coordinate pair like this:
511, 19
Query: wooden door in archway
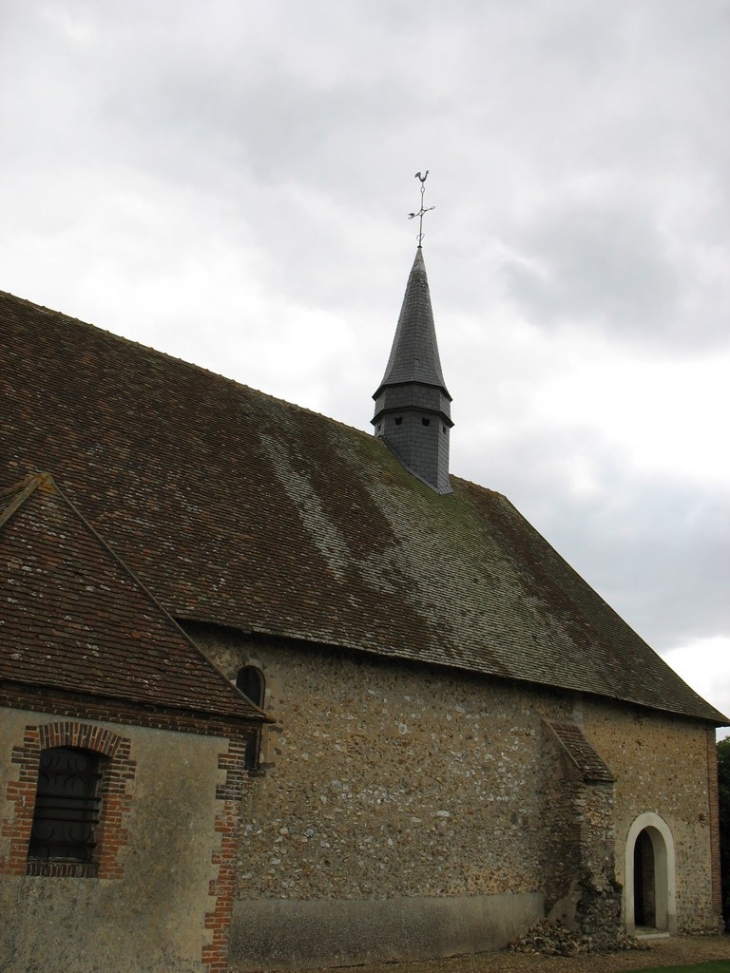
644, 881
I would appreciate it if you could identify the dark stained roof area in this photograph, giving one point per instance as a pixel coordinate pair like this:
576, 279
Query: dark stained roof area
236, 508
73, 618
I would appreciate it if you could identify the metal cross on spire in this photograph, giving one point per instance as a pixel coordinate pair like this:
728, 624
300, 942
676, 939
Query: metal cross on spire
424, 209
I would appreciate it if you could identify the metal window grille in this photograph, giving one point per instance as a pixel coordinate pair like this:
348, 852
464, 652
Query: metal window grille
67, 806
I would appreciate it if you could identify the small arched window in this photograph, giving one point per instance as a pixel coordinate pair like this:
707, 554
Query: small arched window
250, 682
67, 806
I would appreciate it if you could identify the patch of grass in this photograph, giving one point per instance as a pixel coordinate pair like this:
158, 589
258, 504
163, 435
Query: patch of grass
715, 966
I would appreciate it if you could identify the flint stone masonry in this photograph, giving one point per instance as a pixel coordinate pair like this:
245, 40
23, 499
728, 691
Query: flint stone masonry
384, 780
391, 781
579, 867
661, 765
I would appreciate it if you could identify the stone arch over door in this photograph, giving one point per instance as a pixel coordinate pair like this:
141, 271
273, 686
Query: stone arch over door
650, 873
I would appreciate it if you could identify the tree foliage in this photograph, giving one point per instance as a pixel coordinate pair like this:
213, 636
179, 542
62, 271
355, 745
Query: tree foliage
723, 773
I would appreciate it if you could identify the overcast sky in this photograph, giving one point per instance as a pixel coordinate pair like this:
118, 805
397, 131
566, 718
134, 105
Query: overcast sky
229, 182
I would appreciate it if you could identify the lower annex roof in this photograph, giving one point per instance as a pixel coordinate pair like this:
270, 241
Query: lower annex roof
72, 618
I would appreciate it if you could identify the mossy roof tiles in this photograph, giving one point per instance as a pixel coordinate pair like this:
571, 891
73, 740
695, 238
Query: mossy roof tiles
73, 618
239, 509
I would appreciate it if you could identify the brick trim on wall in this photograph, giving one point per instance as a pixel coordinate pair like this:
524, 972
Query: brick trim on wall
714, 803
115, 792
228, 826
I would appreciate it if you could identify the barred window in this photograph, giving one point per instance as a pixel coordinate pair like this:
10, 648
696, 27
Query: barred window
67, 806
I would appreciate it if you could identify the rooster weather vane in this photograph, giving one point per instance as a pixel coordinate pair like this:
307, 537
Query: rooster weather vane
424, 209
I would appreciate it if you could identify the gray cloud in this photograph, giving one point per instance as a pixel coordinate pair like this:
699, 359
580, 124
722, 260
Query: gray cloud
604, 259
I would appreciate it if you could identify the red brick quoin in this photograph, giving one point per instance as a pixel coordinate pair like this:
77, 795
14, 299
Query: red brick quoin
117, 777
714, 801
227, 824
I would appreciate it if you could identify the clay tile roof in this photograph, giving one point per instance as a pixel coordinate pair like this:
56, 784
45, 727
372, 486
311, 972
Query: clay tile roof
591, 767
239, 509
72, 617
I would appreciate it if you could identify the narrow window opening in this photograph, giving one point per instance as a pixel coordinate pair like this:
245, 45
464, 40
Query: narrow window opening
426, 422
250, 682
67, 806
398, 420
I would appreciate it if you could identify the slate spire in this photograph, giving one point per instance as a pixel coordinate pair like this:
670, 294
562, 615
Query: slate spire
412, 403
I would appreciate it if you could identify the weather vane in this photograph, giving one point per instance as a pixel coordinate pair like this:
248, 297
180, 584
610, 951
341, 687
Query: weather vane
423, 209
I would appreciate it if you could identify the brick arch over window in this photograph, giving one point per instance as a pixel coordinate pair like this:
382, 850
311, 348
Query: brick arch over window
650, 835
85, 736
114, 791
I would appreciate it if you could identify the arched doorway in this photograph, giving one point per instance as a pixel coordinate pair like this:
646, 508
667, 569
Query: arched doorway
650, 884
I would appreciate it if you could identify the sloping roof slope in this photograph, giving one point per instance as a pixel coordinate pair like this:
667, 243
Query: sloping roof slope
73, 618
590, 764
239, 509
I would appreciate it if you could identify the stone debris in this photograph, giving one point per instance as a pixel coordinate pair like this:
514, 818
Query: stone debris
548, 938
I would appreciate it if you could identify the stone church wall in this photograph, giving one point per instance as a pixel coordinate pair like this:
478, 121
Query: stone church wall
438, 795
661, 766
384, 783
383, 779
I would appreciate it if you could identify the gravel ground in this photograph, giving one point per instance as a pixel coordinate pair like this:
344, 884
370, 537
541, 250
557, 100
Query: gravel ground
672, 951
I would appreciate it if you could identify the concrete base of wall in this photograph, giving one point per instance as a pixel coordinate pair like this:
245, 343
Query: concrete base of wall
279, 934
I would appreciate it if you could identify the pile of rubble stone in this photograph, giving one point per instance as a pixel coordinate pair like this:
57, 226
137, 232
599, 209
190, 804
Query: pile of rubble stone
555, 939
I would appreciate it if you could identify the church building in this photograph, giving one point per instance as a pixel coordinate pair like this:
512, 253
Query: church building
276, 693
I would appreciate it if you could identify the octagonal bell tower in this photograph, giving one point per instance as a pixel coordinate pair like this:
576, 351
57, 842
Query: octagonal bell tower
412, 403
